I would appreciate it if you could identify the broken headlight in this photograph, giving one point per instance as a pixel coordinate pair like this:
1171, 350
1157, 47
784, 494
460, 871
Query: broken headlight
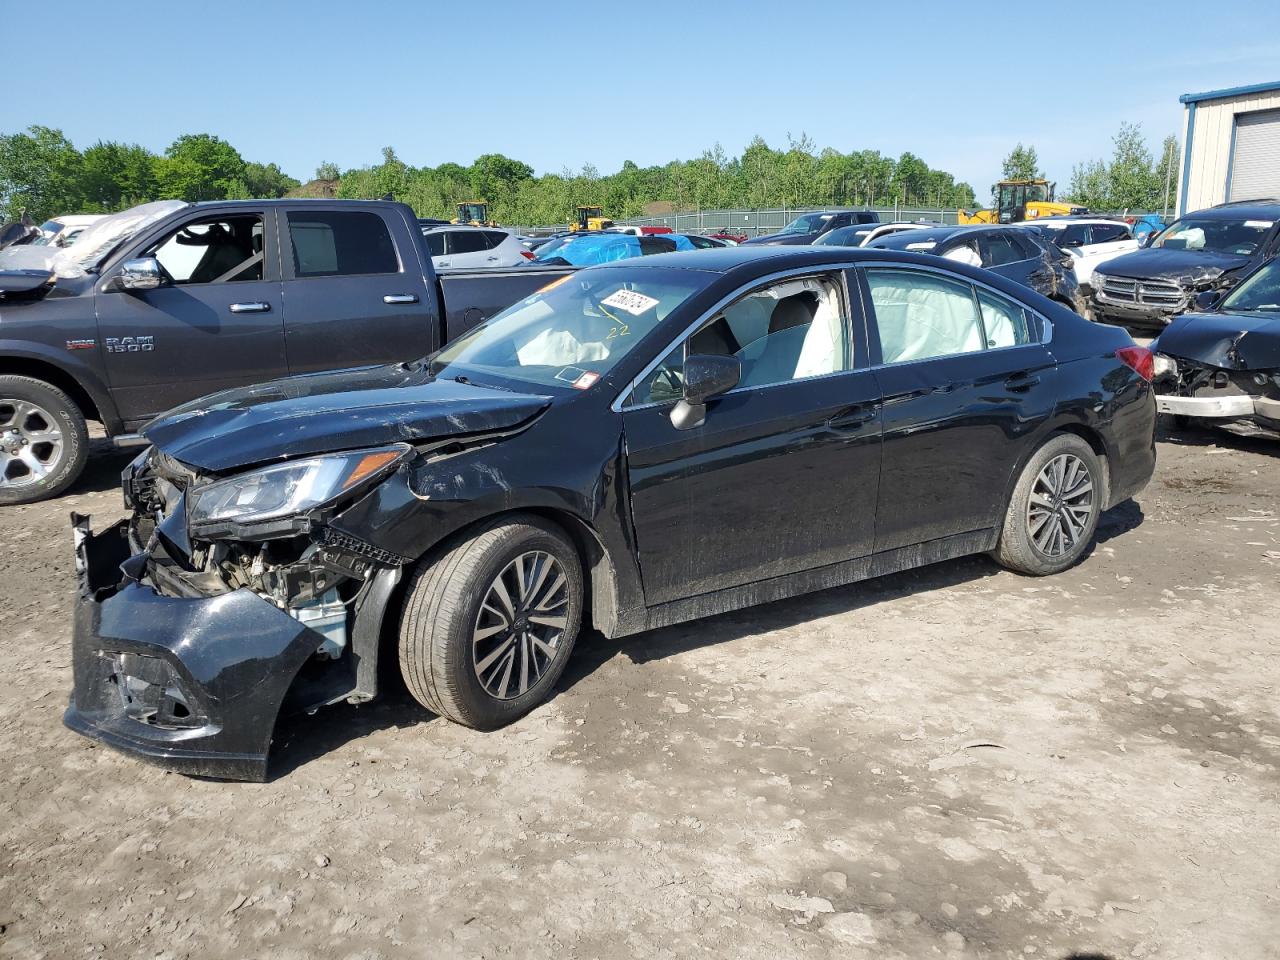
285, 489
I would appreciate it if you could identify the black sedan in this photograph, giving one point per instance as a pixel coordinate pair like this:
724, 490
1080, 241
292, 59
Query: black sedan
636, 445
1018, 253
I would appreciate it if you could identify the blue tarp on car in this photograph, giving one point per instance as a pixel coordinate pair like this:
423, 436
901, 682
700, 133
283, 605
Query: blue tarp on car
590, 249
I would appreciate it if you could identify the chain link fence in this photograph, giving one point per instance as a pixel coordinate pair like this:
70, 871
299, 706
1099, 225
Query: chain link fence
755, 222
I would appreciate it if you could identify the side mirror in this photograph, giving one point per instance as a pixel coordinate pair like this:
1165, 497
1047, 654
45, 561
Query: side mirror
144, 273
1205, 299
1069, 244
705, 376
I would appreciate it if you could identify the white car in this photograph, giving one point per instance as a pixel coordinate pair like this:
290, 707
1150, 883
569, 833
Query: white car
862, 234
63, 231
1089, 240
459, 246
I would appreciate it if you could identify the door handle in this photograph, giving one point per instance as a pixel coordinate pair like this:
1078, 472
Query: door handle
1021, 382
400, 298
256, 306
491, 259
851, 419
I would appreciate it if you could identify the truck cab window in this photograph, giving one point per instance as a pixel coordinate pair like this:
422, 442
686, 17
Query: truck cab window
219, 250
333, 243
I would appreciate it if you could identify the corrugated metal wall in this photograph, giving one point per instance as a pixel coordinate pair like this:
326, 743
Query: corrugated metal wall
1210, 146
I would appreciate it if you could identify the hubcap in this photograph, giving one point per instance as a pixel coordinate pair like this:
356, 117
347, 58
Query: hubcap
1060, 506
520, 625
30, 443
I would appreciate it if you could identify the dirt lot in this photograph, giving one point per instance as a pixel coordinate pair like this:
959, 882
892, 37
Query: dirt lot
952, 762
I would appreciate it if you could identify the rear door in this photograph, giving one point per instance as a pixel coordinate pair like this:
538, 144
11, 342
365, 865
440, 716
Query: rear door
782, 474
964, 381
354, 291
217, 323
467, 248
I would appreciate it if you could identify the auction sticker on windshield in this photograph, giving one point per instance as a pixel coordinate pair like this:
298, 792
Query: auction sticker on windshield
630, 301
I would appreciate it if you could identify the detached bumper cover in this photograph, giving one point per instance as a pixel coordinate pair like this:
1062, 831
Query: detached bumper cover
1226, 407
194, 685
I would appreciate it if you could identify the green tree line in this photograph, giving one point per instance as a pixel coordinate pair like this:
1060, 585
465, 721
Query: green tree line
43, 173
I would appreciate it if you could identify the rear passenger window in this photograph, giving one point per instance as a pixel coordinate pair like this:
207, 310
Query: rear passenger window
1002, 249
1103, 232
922, 315
467, 241
1004, 321
335, 243
493, 239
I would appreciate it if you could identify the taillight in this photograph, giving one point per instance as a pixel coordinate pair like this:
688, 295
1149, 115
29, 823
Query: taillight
1139, 359
527, 254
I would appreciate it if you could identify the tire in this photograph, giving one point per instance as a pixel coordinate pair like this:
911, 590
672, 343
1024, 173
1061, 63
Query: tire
44, 441
1034, 544
452, 634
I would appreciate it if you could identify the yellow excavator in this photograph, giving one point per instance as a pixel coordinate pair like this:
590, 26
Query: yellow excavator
1019, 200
474, 212
590, 218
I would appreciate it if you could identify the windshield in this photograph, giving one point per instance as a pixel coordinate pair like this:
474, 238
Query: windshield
1260, 292
573, 331
1239, 237
809, 223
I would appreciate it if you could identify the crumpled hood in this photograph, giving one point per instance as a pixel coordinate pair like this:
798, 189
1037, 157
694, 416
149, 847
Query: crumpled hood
1194, 266
1230, 341
327, 412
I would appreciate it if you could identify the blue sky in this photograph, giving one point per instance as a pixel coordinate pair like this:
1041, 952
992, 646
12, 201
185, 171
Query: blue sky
565, 83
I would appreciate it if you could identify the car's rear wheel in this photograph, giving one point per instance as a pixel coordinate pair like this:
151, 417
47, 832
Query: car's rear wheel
43, 440
489, 623
1053, 514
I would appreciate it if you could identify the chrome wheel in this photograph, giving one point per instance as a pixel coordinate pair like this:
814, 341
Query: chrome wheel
30, 443
1060, 506
520, 625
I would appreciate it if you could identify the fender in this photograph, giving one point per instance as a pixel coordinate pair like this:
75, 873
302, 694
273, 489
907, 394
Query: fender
75, 369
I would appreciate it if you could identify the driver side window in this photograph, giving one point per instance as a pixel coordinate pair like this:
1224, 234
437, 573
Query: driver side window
788, 330
218, 250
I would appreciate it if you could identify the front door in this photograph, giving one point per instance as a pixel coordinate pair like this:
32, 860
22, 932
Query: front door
965, 381
217, 322
782, 474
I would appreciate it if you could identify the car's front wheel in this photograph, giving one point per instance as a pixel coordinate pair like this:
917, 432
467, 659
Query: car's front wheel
489, 623
43, 440
1053, 514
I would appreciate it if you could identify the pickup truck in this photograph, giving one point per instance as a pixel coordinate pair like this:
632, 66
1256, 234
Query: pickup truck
168, 301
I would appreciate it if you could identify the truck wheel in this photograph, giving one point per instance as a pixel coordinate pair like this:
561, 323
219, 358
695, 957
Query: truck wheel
1053, 513
489, 624
43, 440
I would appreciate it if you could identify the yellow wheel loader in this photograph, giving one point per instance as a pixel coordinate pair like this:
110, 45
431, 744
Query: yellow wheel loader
590, 218
1019, 200
474, 212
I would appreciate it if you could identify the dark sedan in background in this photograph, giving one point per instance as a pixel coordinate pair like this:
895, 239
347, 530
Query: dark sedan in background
808, 227
638, 444
1018, 253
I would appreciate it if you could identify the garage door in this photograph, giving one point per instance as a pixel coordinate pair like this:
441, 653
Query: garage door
1255, 162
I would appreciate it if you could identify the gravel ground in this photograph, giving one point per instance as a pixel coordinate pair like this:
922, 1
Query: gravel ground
952, 762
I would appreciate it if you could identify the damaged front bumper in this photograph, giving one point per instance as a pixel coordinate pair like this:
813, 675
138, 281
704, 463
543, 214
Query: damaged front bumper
1234, 407
195, 684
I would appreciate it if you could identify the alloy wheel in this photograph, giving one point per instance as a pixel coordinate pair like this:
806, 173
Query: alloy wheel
30, 443
521, 622
1060, 506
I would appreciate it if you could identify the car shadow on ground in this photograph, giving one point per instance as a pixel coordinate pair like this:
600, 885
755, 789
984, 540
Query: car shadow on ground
103, 468
1229, 435
300, 739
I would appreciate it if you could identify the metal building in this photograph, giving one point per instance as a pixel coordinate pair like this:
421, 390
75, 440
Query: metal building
1230, 146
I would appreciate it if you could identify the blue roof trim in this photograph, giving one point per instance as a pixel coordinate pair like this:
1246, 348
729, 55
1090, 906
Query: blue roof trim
1230, 92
